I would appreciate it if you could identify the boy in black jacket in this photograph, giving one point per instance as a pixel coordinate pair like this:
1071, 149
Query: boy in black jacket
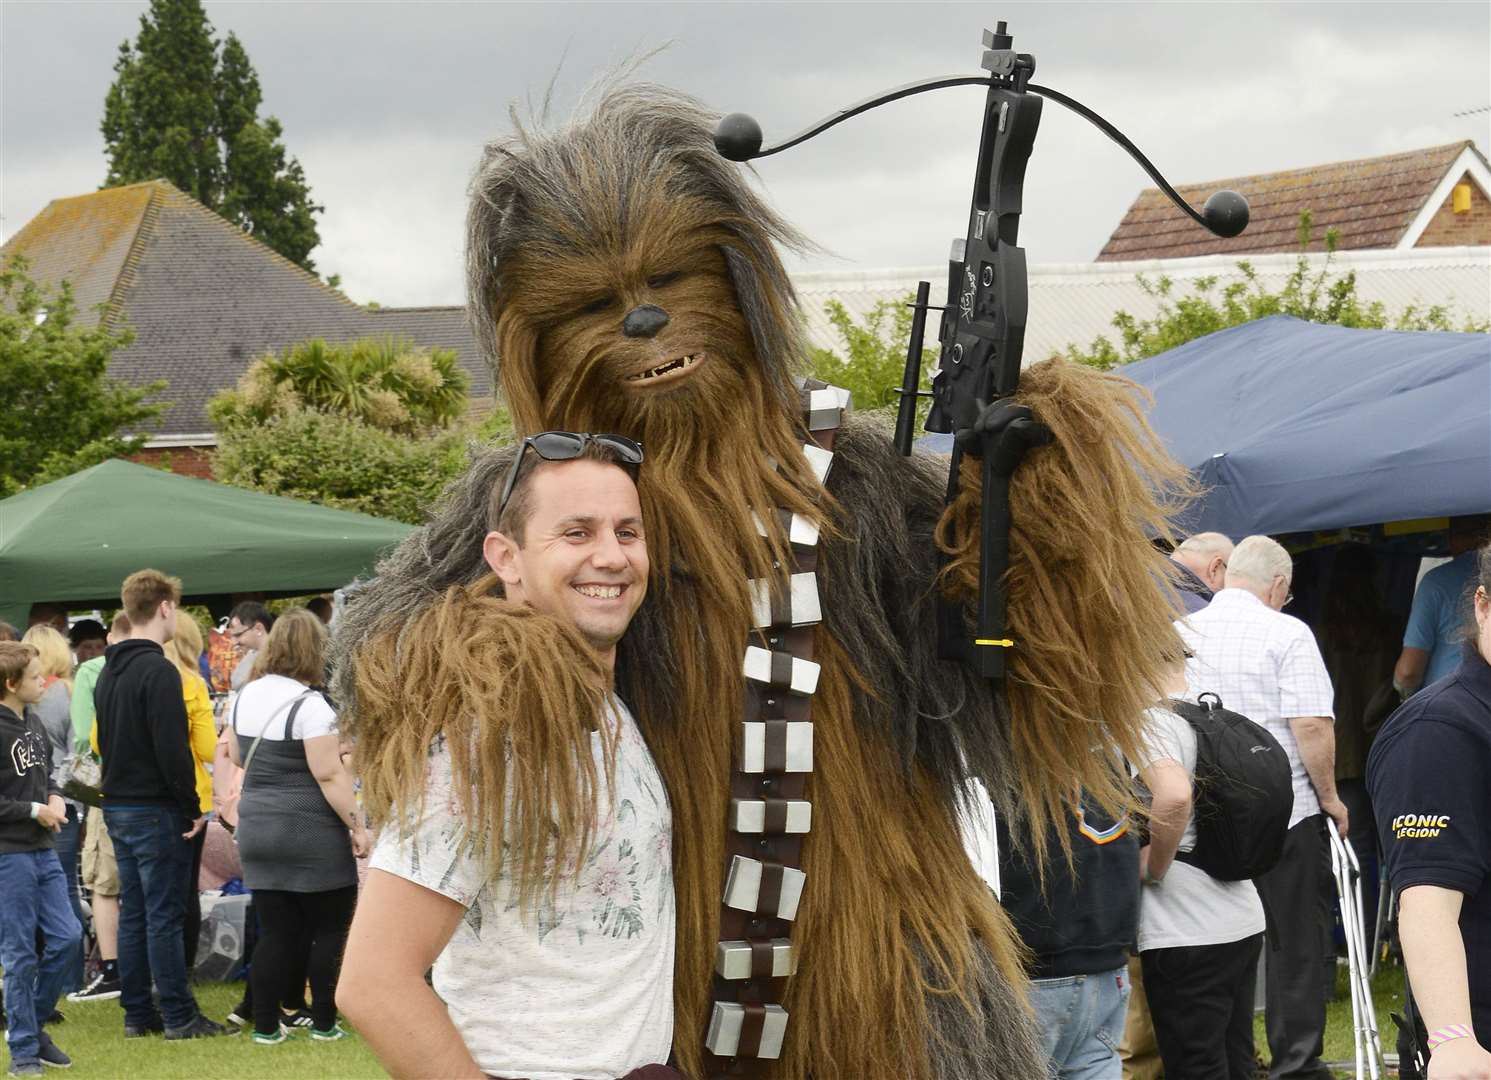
151, 809
33, 891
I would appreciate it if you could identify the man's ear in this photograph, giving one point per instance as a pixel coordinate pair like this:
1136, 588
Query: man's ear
501, 554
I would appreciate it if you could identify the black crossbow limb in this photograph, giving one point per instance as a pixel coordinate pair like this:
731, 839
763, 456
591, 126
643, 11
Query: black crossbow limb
983, 323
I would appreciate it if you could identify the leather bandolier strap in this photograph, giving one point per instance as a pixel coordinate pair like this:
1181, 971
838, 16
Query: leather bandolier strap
769, 811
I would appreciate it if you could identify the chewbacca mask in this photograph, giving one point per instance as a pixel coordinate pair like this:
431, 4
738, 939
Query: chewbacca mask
623, 277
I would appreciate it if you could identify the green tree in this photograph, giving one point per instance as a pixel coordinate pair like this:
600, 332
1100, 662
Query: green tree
377, 425
383, 382
178, 109
341, 462
1315, 295
874, 355
61, 411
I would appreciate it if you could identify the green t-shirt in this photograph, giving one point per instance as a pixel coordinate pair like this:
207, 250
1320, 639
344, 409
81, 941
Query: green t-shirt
84, 680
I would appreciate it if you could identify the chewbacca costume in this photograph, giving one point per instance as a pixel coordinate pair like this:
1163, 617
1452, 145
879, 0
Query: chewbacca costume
624, 278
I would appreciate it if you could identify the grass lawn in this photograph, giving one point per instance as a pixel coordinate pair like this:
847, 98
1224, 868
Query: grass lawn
93, 1035
1387, 994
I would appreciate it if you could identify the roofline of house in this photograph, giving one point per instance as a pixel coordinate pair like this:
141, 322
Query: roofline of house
181, 442
1468, 162
1281, 261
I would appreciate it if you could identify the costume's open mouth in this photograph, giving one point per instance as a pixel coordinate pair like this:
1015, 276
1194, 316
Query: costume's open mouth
680, 367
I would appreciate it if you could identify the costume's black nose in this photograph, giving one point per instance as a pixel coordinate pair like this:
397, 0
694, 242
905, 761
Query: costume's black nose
644, 321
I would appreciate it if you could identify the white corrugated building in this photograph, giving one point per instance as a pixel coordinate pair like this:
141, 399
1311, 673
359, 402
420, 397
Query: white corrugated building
1076, 302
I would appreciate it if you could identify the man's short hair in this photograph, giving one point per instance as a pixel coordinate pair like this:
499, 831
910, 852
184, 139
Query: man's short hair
514, 520
320, 607
15, 658
144, 591
1259, 559
86, 630
45, 612
249, 612
120, 626
8, 632
1205, 544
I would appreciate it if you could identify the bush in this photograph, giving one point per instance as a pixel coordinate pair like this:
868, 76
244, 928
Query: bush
340, 462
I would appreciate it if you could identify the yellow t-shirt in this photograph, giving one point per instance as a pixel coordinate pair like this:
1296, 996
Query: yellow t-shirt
201, 732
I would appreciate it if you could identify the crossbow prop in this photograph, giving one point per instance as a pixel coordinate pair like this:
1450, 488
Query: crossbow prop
983, 322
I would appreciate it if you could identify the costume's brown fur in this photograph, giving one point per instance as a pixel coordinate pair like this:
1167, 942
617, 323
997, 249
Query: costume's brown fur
515, 695
906, 966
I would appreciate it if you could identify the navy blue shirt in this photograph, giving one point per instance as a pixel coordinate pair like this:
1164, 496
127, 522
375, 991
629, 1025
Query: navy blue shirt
1429, 775
1086, 918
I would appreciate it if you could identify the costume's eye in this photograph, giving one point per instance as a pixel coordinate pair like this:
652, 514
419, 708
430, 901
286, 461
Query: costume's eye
660, 281
598, 305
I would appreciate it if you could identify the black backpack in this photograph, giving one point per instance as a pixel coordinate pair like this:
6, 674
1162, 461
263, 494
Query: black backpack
1243, 792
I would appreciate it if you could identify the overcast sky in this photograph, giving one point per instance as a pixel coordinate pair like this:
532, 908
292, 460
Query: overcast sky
387, 104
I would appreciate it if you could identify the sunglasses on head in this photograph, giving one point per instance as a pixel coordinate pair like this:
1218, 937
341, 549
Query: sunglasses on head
566, 446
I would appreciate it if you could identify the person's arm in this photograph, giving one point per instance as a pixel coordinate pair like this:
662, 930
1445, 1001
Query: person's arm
1170, 808
168, 732
1408, 672
1434, 953
323, 755
81, 708
201, 731
1316, 738
398, 931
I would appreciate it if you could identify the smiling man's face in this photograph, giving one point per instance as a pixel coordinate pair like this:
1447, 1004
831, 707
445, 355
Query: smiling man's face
583, 557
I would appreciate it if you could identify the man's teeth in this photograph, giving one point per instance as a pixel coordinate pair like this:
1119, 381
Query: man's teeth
599, 592
662, 369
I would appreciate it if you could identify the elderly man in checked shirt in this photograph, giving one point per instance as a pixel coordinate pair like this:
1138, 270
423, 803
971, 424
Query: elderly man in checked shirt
1267, 666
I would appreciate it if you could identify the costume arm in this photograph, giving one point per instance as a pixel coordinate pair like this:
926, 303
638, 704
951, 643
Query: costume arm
399, 930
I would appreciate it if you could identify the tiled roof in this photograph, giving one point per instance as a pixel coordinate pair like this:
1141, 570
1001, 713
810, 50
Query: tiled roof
85, 239
204, 298
1370, 203
1073, 303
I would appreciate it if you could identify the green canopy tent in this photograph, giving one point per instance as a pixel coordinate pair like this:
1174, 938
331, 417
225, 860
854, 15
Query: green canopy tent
75, 540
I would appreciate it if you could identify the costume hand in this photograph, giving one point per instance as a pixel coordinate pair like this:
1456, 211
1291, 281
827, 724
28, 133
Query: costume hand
1336, 810
1460, 1059
52, 816
197, 826
362, 842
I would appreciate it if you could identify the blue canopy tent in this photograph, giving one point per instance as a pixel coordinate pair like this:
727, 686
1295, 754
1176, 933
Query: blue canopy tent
1295, 426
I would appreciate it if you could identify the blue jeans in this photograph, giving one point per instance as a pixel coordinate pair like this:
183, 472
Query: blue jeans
65, 843
32, 897
1081, 1021
154, 862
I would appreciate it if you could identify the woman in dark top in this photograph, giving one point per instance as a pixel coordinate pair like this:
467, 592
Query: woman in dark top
298, 824
1428, 777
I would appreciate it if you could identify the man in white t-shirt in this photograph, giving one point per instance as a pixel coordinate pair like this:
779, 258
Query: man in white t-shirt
1198, 937
580, 983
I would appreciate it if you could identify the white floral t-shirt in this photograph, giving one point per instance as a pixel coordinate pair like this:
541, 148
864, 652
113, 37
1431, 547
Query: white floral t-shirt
582, 989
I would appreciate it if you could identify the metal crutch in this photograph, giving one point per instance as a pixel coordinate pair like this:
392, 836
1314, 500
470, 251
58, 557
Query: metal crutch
1347, 872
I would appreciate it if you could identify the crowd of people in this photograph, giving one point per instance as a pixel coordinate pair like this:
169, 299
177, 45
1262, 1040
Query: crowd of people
536, 940
136, 761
